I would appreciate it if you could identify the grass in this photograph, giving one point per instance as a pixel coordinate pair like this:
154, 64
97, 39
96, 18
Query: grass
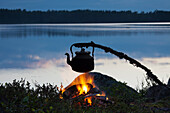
20, 97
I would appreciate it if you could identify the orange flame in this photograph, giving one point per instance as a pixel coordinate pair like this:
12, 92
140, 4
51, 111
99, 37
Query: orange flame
84, 88
89, 100
82, 79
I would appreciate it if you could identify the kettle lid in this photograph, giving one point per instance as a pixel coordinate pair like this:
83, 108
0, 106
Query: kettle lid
82, 52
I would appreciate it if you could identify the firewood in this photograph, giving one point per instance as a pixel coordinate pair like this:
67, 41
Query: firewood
95, 90
73, 91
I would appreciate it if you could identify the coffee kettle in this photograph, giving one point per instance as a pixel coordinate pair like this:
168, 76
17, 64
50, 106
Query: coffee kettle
82, 62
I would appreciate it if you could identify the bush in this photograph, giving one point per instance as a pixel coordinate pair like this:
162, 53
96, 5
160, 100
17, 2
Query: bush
20, 97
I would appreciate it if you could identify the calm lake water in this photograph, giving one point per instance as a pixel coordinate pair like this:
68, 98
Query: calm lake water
35, 52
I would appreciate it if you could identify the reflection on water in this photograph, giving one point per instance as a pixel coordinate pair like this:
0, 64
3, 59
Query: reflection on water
58, 71
36, 51
78, 30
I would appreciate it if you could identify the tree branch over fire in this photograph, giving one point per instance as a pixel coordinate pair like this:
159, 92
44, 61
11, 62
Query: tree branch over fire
121, 55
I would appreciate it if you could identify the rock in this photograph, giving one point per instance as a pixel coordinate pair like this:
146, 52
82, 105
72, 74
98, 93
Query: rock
106, 81
158, 92
114, 88
109, 85
168, 82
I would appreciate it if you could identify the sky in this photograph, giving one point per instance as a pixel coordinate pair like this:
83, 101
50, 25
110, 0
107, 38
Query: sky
134, 5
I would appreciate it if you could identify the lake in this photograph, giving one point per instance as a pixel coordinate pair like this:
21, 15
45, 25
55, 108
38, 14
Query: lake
35, 52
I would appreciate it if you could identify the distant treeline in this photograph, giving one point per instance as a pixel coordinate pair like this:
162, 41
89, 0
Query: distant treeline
19, 16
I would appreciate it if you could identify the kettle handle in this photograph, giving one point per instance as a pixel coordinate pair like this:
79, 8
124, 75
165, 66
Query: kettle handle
80, 47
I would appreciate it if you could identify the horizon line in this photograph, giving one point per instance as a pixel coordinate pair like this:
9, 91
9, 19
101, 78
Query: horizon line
83, 9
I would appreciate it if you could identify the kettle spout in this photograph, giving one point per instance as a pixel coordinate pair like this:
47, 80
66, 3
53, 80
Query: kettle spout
68, 58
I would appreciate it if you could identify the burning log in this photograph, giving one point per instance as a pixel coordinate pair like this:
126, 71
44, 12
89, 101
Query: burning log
77, 90
99, 97
83, 92
95, 91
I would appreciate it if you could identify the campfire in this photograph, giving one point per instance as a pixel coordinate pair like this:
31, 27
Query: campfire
84, 86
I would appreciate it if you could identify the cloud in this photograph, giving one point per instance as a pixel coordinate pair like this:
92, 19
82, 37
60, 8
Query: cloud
98, 64
157, 61
47, 63
164, 63
35, 57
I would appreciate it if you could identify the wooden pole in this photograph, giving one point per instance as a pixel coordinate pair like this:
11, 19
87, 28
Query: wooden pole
121, 55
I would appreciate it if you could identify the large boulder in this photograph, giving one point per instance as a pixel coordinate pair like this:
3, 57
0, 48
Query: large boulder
114, 88
158, 92
109, 85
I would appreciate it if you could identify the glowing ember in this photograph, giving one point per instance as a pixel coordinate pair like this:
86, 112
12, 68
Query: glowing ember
107, 98
88, 100
102, 94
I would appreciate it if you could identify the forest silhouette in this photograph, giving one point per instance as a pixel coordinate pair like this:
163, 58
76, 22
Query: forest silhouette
19, 16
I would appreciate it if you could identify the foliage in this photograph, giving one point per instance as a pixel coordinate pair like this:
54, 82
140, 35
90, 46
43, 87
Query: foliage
20, 97
19, 16
123, 93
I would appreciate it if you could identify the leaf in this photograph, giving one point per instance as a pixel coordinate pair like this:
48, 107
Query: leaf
33, 109
51, 107
26, 99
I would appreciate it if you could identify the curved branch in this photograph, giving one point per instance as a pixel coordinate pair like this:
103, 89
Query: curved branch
121, 55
